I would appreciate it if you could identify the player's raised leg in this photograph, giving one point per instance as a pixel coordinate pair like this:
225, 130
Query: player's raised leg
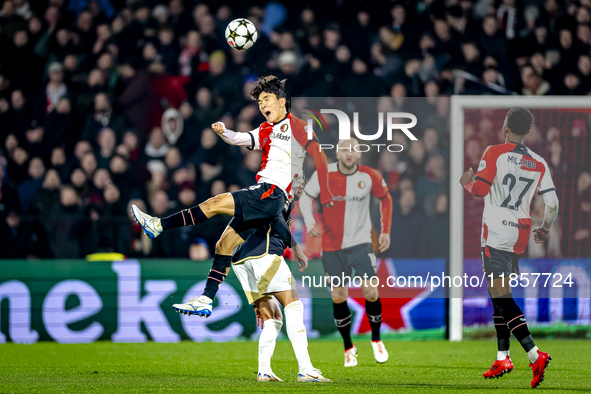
269, 318
222, 204
296, 331
373, 310
503, 363
342, 319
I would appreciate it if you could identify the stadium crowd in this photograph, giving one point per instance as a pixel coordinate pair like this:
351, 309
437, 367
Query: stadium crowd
105, 103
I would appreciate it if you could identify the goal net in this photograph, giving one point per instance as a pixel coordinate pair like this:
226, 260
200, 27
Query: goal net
560, 134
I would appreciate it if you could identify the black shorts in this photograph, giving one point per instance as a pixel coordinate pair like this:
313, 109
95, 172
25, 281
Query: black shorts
342, 262
499, 262
255, 206
262, 201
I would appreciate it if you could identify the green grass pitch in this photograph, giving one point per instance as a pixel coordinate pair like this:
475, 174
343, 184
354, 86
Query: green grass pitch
414, 367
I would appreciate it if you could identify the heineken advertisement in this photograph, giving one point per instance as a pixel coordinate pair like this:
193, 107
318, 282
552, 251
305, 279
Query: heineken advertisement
77, 301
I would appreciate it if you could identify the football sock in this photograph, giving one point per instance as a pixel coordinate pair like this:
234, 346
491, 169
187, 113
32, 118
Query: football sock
533, 354
296, 331
373, 310
503, 333
342, 319
516, 323
217, 274
186, 217
267, 341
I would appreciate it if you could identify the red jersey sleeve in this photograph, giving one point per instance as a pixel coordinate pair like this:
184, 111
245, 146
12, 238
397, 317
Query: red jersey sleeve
487, 170
313, 148
379, 189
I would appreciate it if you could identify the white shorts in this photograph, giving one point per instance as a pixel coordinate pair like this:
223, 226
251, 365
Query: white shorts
265, 275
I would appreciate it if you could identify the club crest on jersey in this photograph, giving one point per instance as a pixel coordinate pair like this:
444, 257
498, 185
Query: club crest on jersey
482, 165
523, 162
284, 127
361, 185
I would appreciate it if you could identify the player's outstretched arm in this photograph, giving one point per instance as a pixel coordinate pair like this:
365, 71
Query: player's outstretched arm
379, 189
308, 211
232, 137
282, 228
322, 170
475, 185
550, 214
386, 222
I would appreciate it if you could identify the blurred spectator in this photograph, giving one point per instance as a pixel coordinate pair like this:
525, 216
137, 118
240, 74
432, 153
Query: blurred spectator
102, 117
61, 225
157, 146
106, 147
27, 189
434, 180
199, 251
59, 125
116, 100
47, 197
435, 233
582, 217
408, 224
172, 125
22, 238
9, 198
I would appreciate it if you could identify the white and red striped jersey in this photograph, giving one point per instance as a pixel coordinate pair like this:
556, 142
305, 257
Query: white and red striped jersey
284, 145
508, 176
348, 223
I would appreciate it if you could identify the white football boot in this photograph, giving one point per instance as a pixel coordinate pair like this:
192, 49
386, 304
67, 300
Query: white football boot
150, 224
379, 351
351, 357
200, 306
268, 376
312, 375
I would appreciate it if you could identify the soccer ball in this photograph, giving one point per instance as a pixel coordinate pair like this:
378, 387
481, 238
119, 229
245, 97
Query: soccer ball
241, 34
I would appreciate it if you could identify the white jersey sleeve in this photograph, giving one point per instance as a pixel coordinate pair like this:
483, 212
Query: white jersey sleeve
311, 191
255, 139
312, 188
249, 139
546, 184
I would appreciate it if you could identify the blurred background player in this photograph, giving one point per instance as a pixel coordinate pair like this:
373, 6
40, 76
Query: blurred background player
281, 169
508, 176
346, 238
263, 273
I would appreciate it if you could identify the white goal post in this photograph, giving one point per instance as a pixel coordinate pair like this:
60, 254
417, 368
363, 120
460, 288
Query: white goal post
456, 207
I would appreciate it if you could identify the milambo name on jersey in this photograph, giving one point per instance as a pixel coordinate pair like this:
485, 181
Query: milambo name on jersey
523, 162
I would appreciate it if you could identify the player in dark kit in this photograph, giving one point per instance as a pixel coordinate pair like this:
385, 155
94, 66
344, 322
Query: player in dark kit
508, 176
266, 278
284, 143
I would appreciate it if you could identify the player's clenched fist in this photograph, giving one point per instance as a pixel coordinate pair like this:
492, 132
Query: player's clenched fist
540, 235
218, 127
467, 177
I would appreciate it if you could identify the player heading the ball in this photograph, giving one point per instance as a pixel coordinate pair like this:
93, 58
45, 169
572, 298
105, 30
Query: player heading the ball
284, 143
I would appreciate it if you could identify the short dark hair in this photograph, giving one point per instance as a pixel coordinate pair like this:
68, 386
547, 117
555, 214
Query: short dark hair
519, 120
270, 84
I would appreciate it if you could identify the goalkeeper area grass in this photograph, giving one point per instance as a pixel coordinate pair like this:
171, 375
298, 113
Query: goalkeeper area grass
417, 367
